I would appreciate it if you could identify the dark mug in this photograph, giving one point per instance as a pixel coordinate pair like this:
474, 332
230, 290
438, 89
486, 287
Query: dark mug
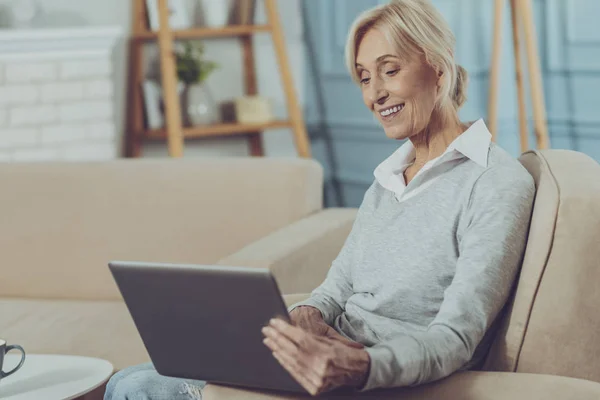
5, 349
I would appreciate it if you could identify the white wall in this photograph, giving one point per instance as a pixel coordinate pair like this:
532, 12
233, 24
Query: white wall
57, 105
225, 83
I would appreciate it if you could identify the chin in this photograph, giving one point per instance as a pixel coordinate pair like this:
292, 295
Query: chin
397, 132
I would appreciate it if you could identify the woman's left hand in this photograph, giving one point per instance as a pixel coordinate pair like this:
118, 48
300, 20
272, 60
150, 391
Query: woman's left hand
318, 363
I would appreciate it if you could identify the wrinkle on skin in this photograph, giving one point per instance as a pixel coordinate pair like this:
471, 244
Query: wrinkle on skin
388, 79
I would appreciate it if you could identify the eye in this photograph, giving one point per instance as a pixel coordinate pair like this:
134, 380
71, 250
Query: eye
392, 72
365, 80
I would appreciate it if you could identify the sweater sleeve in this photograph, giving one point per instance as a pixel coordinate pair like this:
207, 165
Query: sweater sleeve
330, 297
490, 247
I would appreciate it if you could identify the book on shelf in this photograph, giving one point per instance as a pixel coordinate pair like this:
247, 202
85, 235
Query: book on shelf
243, 12
152, 95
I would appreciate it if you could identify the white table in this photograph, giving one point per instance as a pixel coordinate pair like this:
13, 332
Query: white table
52, 377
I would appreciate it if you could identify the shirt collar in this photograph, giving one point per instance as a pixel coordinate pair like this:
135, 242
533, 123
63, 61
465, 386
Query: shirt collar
395, 164
474, 143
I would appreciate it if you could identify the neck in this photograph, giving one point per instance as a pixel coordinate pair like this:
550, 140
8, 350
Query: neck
432, 141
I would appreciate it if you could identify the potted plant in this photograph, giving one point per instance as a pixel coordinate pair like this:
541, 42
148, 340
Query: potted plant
197, 104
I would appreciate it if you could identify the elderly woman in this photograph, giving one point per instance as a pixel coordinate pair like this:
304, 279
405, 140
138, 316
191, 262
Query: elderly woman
437, 242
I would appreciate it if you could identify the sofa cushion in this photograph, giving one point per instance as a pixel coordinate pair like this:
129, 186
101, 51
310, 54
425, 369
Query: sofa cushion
102, 329
63, 222
505, 350
460, 386
553, 326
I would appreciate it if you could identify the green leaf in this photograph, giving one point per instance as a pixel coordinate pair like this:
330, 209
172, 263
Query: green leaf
191, 67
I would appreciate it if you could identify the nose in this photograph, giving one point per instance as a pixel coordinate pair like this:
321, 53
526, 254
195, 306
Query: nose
378, 93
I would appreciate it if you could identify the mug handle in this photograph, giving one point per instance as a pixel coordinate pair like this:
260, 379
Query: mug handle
9, 348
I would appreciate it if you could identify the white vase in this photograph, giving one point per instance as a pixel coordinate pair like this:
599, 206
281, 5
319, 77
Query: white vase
198, 106
215, 12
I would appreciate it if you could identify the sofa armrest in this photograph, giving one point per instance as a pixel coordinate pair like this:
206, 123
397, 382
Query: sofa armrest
469, 385
300, 254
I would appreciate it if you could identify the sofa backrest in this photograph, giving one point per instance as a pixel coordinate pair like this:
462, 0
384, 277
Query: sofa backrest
63, 222
552, 325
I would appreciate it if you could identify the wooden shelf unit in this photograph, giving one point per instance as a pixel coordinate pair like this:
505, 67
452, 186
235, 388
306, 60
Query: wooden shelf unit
228, 31
174, 132
220, 130
523, 27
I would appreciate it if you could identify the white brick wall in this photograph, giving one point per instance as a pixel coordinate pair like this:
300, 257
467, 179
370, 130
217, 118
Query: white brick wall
57, 95
32, 115
31, 72
94, 151
36, 154
18, 94
85, 111
101, 130
11, 138
78, 69
57, 110
65, 91
99, 89
63, 133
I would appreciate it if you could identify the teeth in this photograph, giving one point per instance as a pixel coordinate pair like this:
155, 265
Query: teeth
392, 110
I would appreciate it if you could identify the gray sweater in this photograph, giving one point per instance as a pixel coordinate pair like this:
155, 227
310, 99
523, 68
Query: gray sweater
420, 281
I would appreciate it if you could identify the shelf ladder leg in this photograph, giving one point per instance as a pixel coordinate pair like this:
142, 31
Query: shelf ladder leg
134, 127
255, 139
495, 69
169, 82
519, 76
535, 76
294, 110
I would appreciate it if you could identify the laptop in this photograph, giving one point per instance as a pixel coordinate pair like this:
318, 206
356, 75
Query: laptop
204, 322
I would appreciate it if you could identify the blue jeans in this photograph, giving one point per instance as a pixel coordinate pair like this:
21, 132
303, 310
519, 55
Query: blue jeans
142, 382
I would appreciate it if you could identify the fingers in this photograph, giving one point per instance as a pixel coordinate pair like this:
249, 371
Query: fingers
318, 363
310, 386
300, 371
278, 342
301, 361
294, 333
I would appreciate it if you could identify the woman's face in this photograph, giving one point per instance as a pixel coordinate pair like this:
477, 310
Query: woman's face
400, 92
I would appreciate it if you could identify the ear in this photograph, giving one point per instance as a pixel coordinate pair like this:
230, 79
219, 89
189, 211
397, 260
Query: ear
440, 80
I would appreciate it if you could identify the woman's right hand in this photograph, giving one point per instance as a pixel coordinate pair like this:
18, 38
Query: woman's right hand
310, 319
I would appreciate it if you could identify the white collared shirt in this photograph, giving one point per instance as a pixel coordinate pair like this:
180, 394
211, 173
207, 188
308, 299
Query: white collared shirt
474, 143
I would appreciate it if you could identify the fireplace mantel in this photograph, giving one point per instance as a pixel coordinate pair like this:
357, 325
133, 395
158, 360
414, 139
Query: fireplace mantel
57, 43
57, 94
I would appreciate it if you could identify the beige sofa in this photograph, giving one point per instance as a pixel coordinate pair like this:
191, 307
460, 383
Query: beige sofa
62, 223
549, 345
65, 221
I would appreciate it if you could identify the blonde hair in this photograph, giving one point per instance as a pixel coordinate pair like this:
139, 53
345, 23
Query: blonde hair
413, 27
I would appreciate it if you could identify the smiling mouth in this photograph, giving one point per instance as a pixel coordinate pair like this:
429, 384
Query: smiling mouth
390, 112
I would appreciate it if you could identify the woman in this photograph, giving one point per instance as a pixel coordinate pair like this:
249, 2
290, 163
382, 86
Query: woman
438, 239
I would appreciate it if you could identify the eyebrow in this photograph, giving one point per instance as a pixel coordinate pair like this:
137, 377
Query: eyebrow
379, 59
